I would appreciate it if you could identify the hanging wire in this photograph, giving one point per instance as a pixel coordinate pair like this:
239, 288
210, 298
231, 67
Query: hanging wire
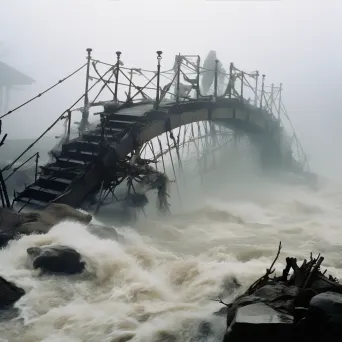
52, 125
44, 92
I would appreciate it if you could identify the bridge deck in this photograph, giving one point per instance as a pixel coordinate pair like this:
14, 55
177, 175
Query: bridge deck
79, 170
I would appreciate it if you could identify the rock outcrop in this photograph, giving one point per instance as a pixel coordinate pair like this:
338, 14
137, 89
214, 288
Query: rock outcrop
13, 224
56, 259
9, 293
305, 306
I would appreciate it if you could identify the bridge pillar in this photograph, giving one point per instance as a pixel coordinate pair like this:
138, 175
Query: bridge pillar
272, 154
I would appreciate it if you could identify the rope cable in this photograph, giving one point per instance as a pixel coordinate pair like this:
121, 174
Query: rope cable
44, 92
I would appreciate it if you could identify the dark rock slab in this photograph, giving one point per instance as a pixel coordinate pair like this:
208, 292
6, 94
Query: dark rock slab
327, 306
259, 322
323, 321
9, 293
56, 259
325, 309
279, 296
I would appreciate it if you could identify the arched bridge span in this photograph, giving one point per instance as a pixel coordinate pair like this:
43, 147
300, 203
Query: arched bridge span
99, 156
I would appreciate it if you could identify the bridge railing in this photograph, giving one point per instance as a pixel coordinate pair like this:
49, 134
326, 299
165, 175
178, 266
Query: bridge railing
186, 81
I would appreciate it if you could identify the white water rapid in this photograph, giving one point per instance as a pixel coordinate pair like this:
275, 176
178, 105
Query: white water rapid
161, 280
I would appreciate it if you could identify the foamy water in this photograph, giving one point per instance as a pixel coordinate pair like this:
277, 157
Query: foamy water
160, 282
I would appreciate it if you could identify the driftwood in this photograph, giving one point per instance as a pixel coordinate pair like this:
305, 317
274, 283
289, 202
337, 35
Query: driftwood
304, 277
303, 303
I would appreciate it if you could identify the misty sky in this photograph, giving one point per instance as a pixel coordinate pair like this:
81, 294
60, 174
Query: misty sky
296, 42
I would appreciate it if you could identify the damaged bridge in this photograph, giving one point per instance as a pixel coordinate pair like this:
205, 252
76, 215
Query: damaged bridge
109, 151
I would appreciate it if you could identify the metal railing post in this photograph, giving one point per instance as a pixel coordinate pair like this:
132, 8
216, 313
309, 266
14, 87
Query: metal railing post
272, 99
69, 124
178, 77
4, 190
262, 90
86, 98
85, 111
231, 67
198, 77
242, 78
159, 53
256, 89
117, 68
36, 171
215, 78
279, 106
130, 85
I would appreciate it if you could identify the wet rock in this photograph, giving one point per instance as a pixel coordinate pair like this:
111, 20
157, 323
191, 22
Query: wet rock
103, 232
6, 237
222, 312
13, 224
64, 212
278, 296
259, 322
56, 259
325, 309
9, 293
10, 223
204, 332
323, 284
52, 215
322, 322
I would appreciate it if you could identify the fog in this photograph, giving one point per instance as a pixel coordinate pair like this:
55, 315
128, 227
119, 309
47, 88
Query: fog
293, 42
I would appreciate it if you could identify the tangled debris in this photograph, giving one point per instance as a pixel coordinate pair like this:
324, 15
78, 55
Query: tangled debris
303, 304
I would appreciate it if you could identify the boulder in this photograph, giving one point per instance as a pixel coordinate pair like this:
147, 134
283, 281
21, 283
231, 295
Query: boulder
13, 224
279, 296
52, 215
9, 293
56, 259
259, 322
10, 223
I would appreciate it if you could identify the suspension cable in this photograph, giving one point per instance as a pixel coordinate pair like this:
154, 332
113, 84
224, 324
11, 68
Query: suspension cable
51, 126
44, 92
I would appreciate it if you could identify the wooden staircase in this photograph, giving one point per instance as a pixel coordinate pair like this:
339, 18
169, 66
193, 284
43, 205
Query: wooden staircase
76, 172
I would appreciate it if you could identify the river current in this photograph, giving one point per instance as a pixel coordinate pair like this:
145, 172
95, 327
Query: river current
161, 280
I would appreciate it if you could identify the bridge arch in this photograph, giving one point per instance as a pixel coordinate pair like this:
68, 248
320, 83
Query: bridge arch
205, 94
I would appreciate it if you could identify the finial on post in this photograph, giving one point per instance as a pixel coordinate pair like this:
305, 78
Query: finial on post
159, 57
118, 54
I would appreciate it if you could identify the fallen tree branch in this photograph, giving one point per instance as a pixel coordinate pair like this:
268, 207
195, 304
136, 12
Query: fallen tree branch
265, 277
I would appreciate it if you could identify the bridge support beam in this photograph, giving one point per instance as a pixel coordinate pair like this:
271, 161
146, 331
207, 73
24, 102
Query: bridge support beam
271, 153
